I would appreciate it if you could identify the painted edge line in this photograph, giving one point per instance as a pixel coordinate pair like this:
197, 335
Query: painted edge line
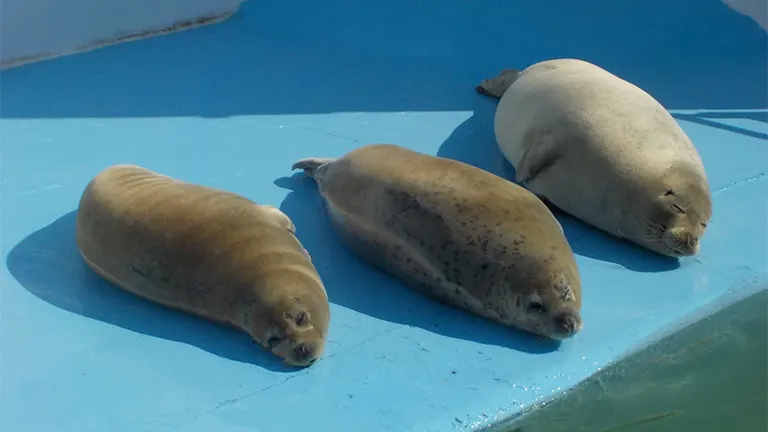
122, 38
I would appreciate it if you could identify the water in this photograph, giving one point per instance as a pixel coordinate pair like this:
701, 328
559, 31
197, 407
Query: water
711, 376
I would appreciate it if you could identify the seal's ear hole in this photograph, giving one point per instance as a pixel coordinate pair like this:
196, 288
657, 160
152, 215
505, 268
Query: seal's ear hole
301, 318
669, 192
536, 307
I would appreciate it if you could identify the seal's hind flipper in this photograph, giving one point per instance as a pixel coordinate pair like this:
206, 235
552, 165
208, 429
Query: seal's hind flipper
311, 165
496, 86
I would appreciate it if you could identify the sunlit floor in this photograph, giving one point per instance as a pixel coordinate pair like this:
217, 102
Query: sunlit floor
233, 105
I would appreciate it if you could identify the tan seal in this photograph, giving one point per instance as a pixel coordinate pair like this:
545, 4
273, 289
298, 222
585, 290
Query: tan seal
207, 252
603, 150
455, 233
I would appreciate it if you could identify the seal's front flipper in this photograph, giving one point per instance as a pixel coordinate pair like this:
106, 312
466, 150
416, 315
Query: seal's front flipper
541, 153
496, 86
278, 217
311, 165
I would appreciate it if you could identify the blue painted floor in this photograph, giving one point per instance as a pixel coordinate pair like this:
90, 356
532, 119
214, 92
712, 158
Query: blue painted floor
235, 104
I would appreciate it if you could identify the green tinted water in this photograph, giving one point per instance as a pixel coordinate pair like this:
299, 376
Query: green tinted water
709, 377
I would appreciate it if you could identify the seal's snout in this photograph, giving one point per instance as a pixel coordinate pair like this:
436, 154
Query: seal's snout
692, 243
305, 353
302, 352
682, 242
567, 324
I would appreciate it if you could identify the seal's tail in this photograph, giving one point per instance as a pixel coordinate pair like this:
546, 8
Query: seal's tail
312, 165
496, 86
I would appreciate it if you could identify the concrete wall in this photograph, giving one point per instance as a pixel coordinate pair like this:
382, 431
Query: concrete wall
32, 30
756, 9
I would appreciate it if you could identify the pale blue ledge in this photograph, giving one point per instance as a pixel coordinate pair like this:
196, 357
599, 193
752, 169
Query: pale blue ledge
235, 104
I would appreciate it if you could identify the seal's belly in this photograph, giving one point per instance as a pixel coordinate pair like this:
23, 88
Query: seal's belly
411, 259
452, 256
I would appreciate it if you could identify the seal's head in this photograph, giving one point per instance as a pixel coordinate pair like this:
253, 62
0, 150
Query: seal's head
679, 216
295, 330
552, 308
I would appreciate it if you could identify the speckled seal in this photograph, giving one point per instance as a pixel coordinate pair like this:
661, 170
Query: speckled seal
604, 151
207, 252
455, 233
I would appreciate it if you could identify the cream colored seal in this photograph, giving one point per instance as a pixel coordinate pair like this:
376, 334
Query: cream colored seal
207, 252
455, 233
603, 150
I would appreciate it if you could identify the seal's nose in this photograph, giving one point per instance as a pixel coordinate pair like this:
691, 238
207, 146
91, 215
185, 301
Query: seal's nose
305, 353
691, 242
302, 351
567, 323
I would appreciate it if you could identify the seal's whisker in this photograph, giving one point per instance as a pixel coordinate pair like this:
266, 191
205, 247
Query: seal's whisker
541, 340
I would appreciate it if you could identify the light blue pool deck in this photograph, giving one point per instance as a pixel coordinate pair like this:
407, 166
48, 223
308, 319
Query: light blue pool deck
233, 105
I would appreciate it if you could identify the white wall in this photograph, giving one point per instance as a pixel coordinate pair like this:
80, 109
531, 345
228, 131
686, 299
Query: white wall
32, 30
756, 9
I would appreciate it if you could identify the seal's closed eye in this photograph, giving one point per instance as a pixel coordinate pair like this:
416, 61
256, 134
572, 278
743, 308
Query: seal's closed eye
536, 307
301, 318
678, 209
274, 341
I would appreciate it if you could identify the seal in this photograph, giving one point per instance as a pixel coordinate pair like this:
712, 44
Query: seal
603, 150
207, 252
455, 233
